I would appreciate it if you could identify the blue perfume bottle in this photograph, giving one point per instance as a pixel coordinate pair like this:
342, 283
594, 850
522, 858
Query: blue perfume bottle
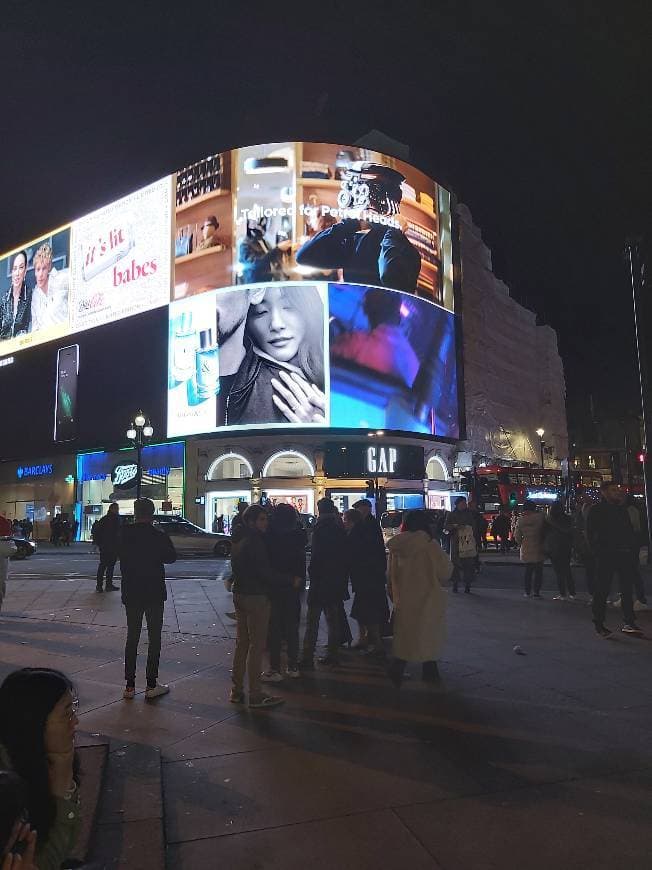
184, 343
207, 367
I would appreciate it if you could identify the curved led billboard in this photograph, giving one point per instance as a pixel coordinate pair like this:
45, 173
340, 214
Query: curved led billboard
308, 285
310, 355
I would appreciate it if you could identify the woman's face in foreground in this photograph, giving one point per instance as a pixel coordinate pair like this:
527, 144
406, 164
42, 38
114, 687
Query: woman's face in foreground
275, 326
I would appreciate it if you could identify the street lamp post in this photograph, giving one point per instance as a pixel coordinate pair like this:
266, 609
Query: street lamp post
541, 433
139, 433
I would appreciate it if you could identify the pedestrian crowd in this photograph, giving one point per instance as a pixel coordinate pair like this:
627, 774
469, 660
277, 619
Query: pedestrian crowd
40, 810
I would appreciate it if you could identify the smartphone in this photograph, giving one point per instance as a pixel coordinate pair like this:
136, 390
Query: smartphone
65, 403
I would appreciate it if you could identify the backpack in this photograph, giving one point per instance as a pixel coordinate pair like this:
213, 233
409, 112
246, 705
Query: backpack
466, 547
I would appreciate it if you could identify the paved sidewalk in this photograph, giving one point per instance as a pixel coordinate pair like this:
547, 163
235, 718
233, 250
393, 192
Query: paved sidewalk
519, 761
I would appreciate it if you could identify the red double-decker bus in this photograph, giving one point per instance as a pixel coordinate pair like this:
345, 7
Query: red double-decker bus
496, 486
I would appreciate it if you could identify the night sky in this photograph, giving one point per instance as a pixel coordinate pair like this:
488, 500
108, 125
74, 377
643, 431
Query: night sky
536, 114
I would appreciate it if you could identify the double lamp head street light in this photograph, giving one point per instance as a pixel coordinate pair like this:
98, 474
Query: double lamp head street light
139, 433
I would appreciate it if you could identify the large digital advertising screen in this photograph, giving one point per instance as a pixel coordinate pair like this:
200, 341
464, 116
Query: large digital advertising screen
302, 284
311, 354
111, 264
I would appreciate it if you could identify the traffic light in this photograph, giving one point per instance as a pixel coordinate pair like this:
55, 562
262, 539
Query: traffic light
513, 500
641, 457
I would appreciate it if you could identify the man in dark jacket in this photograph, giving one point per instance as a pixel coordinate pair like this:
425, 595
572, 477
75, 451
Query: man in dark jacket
328, 572
368, 569
143, 552
611, 539
105, 536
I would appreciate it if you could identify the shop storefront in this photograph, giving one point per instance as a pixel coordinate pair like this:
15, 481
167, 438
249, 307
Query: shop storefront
266, 471
102, 477
38, 491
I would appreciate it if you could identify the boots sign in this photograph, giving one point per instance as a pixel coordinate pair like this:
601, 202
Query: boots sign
124, 475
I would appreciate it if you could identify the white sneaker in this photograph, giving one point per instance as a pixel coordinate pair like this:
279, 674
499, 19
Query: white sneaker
571, 598
271, 677
559, 598
638, 605
293, 673
156, 692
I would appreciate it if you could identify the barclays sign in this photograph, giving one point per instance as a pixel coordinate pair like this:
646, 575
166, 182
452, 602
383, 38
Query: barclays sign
44, 470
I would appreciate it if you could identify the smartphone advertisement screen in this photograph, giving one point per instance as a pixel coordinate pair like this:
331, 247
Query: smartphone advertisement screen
65, 405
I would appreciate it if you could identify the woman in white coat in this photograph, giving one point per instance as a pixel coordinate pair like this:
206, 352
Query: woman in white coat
417, 568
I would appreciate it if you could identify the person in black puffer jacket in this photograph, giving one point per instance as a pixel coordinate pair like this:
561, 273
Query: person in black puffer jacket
286, 542
328, 573
558, 544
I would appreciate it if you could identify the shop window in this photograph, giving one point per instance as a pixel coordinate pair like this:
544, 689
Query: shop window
436, 469
289, 463
230, 466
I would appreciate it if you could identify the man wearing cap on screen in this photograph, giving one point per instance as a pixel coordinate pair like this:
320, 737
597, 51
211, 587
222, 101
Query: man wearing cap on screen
209, 237
368, 252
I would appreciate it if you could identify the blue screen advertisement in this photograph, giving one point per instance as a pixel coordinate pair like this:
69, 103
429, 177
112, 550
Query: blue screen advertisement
311, 354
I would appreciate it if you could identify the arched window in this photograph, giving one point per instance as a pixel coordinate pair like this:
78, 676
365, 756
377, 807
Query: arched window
229, 466
436, 469
288, 463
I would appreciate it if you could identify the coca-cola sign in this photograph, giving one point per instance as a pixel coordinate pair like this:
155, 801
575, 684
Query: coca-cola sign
124, 475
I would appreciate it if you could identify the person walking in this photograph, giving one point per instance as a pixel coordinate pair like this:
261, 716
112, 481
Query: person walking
581, 543
143, 552
640, 538
368, 573
500, 529
106, 536
612, 538
461, 525
417, 569
528, 534
7, 549
328, 572
558, 543
254, 580
286, 542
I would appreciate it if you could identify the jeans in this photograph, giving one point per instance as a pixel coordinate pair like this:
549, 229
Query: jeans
535, 568
252, 618
609, 564
154, 618
562, 568
284, 625
332, 612
467, 568
107, 563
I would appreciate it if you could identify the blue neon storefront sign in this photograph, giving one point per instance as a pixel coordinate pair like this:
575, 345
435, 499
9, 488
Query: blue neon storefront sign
44, 470
158, 460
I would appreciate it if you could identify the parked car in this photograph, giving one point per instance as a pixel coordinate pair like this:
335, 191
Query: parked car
189, 539
24, 548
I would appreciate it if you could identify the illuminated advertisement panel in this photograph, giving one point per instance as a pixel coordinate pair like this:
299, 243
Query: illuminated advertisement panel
35, 292
290, 211
111, 264
311, 355
121, 258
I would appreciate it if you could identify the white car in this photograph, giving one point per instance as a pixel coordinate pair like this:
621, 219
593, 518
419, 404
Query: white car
191, 540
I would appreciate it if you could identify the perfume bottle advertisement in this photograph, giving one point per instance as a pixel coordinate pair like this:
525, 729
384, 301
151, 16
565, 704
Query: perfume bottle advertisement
251, 356
193, 365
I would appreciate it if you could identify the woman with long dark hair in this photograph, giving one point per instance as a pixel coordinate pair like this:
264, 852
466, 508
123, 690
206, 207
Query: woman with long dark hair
37, 730
287, 328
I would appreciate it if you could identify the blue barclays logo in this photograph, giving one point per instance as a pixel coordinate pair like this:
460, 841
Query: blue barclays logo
34, 470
